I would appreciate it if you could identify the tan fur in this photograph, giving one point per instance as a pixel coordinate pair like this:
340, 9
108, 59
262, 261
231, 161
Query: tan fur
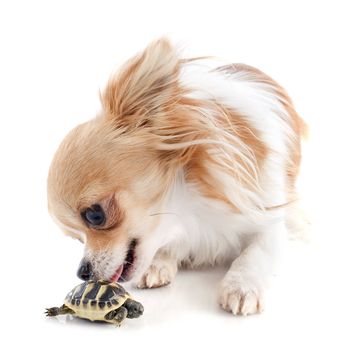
90, 150
146, 131
298, 125
175, 124
197, 167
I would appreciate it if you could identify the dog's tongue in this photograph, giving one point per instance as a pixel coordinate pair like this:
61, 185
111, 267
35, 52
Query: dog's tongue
117, 274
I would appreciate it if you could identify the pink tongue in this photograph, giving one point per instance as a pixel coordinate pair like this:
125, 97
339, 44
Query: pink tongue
118, 273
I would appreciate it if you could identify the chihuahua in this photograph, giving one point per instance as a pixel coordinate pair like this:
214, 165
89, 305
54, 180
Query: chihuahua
188, 163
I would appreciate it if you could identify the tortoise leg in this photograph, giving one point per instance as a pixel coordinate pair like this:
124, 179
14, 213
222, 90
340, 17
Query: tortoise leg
120, 315
54, 311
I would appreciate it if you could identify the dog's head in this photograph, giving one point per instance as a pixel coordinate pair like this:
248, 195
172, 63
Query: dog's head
109, 175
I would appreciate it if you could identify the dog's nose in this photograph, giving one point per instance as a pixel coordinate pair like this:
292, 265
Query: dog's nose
85, 270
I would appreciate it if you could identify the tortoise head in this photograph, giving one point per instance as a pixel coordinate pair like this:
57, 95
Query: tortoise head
135, 309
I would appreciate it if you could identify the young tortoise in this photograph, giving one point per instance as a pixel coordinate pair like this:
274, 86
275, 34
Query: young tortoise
99, 301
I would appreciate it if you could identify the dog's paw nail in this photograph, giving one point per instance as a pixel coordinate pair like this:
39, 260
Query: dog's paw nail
157, 275
240, 301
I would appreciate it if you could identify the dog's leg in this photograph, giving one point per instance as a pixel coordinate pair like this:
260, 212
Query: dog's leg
241, 290
160, 273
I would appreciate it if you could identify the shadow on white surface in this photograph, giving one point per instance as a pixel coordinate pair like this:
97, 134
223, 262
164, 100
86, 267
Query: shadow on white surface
192, 297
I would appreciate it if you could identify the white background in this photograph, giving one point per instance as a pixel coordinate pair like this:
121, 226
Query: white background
55, 55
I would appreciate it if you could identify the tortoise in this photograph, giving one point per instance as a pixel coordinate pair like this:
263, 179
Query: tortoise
99, 301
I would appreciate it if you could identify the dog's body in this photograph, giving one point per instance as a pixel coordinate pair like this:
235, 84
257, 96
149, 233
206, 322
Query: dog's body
186, 164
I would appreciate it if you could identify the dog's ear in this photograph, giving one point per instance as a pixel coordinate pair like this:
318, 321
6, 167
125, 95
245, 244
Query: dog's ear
146, 95
144, 87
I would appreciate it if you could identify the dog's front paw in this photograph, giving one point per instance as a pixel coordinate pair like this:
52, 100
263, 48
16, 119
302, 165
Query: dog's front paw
239, 299
160, 273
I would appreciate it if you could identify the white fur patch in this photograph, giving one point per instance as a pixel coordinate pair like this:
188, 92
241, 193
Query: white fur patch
256, 102
259, 104
200, 230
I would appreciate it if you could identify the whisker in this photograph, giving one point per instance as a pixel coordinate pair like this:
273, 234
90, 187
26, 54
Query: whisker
122, 278
162, 214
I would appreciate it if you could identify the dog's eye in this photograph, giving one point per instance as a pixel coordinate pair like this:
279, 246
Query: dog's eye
94, 216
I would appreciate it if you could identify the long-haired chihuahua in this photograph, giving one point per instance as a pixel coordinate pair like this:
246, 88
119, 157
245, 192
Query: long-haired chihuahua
189, 163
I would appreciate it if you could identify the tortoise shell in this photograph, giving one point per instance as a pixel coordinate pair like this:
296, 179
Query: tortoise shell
94, 299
